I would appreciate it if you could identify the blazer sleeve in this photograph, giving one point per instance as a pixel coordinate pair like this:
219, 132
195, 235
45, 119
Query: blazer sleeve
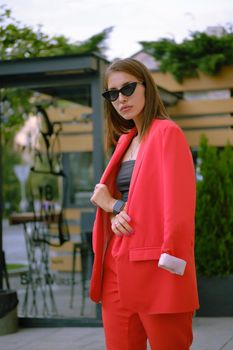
179, 193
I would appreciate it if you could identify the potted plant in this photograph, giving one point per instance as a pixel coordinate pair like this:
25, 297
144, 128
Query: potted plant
214, 230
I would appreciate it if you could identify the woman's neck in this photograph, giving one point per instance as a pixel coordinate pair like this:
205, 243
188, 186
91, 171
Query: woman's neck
138, 124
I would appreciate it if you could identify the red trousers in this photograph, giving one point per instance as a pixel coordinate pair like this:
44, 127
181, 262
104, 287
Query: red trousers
128, 330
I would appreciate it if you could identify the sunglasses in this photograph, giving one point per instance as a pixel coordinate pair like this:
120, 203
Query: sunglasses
126, 90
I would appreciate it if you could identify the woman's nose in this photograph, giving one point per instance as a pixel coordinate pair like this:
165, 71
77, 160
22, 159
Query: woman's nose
122, 98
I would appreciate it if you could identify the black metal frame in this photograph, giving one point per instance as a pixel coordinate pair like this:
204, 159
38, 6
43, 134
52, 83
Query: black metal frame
87, 256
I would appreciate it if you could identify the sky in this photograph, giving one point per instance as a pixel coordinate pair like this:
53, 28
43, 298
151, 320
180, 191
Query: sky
133, 20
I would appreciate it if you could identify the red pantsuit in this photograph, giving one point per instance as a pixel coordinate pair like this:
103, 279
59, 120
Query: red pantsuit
129, 330
161, 204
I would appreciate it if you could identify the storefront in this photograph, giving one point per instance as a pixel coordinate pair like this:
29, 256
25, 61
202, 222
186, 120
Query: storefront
51, 238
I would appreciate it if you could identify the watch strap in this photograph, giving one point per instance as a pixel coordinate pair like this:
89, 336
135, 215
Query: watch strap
118, 206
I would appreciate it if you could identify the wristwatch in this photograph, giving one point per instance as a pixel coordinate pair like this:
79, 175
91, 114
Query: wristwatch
118, 206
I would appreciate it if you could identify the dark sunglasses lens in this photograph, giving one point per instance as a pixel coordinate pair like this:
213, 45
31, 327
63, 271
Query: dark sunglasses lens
111, 95
128, 89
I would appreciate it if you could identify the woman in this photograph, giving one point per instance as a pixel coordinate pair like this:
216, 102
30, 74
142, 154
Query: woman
143, 236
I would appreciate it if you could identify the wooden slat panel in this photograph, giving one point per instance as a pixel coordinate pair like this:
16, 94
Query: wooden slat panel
77, 128
224, 80
75, 213
72, 213
68, 113
218, 137
64, 263
73, 229
66, 247
77, 143
204, 121
200, 107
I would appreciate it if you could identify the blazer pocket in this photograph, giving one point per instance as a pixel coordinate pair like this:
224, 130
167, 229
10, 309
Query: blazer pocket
142, 254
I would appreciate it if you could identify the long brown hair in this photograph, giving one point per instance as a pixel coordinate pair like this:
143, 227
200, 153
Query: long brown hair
154, 108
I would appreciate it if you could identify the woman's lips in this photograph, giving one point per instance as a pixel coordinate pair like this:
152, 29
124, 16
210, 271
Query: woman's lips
125, 108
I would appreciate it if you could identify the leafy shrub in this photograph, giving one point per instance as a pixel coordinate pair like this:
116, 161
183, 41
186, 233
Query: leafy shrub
214, 212
207, 53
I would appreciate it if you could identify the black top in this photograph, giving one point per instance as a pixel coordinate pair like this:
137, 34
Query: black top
124, 177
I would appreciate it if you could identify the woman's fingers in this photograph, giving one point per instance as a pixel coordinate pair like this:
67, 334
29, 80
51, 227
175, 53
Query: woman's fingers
124, 215
121, 224
124, 225
115, 228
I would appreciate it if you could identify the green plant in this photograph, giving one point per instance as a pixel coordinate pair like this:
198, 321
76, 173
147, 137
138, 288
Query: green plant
207, 53
13, 267
214, 212
11, 186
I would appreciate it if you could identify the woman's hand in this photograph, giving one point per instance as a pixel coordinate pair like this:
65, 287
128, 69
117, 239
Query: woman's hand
102, 198
120, 224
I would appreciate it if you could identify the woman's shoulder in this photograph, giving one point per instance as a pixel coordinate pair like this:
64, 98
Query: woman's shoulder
162, 125
166, 129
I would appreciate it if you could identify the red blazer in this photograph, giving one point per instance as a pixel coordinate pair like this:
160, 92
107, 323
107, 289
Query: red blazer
161, 204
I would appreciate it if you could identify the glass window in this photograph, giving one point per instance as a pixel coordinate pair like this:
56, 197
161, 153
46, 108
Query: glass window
81, 178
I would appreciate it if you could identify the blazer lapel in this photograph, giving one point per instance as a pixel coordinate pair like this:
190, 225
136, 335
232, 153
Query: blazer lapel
138, 163
137, 166
117, 155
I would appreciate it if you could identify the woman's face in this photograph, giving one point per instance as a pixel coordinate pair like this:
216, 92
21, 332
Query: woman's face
129, 107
